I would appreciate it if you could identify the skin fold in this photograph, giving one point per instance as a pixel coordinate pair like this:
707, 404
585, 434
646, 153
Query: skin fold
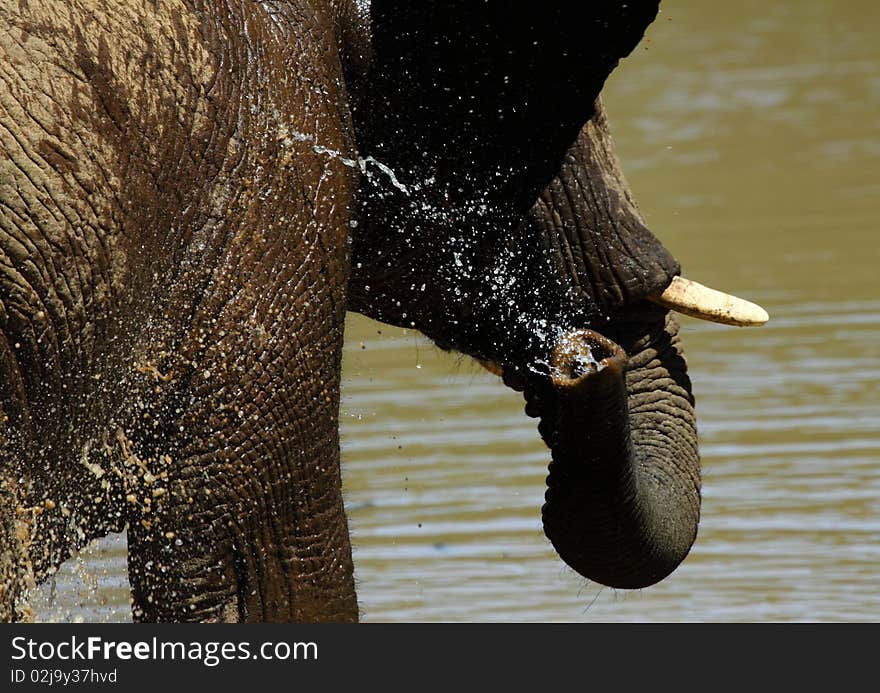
193, 193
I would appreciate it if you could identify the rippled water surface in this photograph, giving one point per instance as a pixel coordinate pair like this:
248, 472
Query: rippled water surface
751, 136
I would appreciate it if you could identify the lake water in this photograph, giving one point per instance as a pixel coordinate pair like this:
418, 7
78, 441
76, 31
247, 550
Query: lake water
750, 133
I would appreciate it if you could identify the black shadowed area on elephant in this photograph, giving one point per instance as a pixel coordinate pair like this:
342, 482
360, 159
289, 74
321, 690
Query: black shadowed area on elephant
181, 303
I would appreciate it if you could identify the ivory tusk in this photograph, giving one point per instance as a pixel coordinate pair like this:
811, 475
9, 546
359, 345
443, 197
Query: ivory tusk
698, 301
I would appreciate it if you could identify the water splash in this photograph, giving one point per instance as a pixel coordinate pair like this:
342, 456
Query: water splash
288, 137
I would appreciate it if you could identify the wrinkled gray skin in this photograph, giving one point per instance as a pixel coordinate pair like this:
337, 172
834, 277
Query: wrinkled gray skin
178, 185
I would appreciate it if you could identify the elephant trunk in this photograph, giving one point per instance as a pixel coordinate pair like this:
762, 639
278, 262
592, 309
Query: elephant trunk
623, 497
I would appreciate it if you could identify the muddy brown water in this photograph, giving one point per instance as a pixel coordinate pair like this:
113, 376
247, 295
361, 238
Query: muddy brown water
751, 136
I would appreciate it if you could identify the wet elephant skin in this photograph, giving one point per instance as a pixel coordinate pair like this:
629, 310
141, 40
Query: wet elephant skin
172, 273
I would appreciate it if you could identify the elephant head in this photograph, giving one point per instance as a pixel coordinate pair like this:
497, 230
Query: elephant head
495, 219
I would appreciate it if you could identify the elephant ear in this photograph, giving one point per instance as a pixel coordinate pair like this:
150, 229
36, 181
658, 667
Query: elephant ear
490, 95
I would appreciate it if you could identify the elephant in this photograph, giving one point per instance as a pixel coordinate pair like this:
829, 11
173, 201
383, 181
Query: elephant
192, 195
